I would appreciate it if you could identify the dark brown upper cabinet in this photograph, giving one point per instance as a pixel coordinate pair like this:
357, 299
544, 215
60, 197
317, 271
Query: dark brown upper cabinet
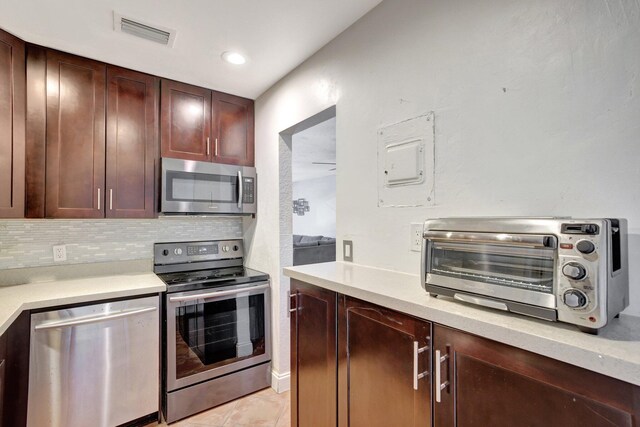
132, 117
185, 121
233, 129
75, 157
12, 126
200, 124
92, 138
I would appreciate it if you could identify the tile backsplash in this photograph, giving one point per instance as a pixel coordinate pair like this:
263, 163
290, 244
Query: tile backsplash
28, 243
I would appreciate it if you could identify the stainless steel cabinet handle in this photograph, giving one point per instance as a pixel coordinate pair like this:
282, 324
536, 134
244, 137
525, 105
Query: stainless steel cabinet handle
216, 148
207, 146
93, 319
439, 384
292, 297
98, 198
241, 190
217, 294
111, 199
418, 376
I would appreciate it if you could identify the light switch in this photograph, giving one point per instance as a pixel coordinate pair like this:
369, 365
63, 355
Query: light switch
347, 250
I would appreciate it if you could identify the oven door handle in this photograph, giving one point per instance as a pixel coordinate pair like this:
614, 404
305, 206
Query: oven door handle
217, 294
523, 240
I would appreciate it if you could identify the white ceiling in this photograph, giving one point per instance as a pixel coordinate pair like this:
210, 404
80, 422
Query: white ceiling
315, 144
276, 35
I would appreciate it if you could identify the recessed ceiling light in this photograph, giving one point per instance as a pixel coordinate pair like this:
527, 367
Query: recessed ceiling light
234, 58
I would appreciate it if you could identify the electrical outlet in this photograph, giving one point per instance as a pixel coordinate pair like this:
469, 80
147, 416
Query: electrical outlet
416, 236
59, 253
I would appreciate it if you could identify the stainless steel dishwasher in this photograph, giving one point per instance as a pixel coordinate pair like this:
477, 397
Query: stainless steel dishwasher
94, 365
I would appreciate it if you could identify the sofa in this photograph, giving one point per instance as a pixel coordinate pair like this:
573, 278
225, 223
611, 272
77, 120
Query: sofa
313, 249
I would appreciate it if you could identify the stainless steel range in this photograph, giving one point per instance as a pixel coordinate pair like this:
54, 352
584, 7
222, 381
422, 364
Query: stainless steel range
217, 312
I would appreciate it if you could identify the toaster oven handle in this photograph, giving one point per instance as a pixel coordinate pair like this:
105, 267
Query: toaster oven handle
481, 301
522, 240
240, 190
424, 260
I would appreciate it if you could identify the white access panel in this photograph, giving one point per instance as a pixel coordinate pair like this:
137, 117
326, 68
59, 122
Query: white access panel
406, 163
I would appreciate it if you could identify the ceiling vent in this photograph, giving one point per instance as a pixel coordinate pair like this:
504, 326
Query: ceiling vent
143, 30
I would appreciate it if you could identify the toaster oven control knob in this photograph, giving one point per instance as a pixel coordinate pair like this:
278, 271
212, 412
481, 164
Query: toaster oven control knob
585, 246
575, 298
165, 252
177, 251
574, 271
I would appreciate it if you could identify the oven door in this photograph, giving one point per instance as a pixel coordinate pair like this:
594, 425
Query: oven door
514, 267
215, 332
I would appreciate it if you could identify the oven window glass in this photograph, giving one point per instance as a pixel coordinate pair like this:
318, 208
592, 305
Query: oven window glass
196, 187
523, 268
217, 333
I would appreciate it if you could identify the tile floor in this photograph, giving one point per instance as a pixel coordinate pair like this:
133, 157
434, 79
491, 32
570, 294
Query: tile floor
265, 408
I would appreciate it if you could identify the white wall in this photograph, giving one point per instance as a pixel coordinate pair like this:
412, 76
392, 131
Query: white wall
321, 218
537, 113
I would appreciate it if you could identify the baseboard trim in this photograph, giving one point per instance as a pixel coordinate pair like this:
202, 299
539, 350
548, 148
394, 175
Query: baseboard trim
280, 382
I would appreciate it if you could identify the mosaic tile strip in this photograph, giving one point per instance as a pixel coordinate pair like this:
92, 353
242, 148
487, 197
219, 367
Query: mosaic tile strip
28, 243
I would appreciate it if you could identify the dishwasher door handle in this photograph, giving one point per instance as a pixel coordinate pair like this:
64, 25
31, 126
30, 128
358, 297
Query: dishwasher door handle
93, 319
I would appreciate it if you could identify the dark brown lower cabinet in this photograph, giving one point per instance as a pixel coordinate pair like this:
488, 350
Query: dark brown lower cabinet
14, 372
313, 356
3, 364
485, 383
384, 367
358, 364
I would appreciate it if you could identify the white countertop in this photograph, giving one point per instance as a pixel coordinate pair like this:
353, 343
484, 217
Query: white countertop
14, 299
614, 352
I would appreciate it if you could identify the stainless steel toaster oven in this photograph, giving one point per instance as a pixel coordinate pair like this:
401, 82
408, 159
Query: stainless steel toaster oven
559, 269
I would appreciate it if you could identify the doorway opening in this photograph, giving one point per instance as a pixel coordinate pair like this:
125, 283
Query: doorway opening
308, 190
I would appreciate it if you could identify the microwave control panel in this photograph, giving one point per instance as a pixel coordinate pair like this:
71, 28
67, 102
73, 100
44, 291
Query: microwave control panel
248, 190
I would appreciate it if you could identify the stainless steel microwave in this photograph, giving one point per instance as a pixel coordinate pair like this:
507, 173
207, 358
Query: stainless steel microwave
560, 269
191, 187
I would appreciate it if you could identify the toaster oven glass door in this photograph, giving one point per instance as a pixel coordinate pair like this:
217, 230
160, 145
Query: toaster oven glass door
515, 267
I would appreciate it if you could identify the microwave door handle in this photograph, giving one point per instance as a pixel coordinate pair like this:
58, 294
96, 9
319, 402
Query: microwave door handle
240, 190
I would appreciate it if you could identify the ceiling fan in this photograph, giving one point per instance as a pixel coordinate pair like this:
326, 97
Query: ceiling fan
325, 163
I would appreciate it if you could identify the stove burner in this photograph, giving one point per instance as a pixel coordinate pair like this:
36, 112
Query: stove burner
181, 278
186, 279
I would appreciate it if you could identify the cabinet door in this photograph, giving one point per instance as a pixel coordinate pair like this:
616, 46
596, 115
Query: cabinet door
75, 137
384, 364
132, 118
486, 383
12, 126
233, 129
313, 356
16, 372
3, 364
185, 121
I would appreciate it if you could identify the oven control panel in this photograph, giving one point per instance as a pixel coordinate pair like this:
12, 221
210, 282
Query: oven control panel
182, 252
